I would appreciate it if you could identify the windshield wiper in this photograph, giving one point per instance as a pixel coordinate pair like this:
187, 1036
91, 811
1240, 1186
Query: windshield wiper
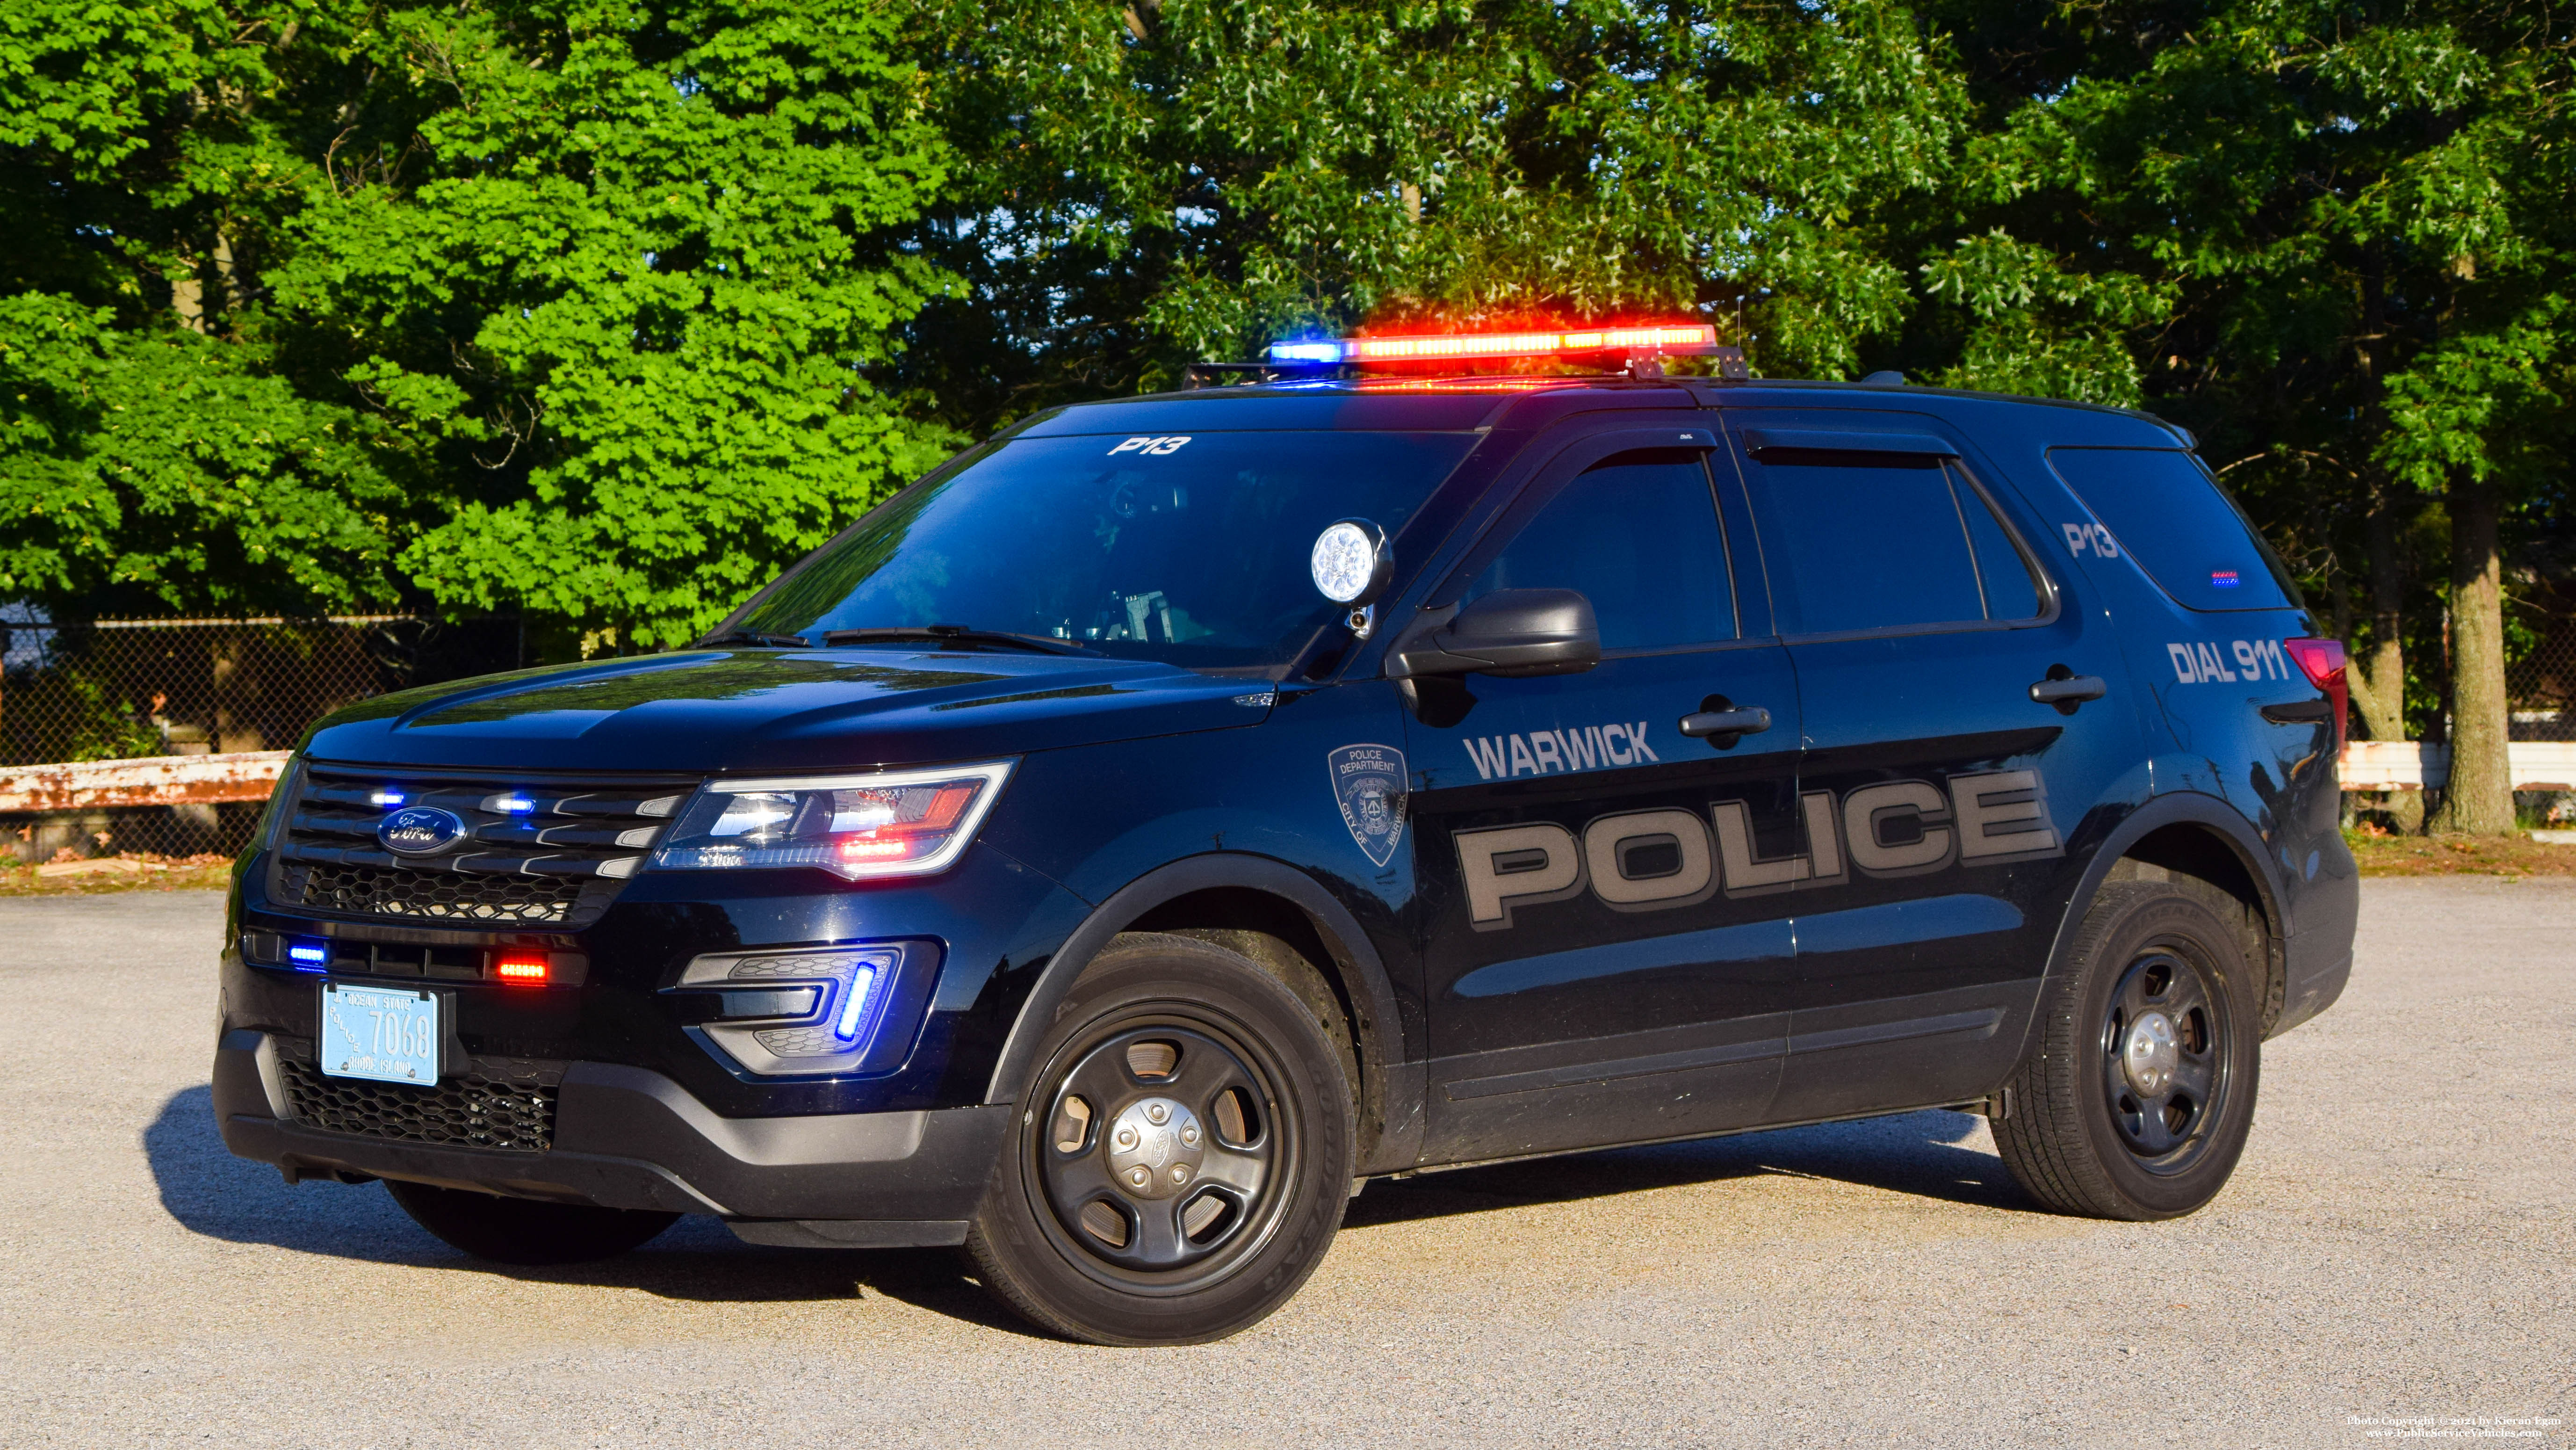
954, 636
756, 638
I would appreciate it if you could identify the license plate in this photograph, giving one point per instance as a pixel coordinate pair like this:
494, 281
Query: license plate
388, 1034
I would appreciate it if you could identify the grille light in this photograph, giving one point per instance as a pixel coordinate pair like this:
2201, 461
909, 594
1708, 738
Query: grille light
387, 799
526, 969
309, 956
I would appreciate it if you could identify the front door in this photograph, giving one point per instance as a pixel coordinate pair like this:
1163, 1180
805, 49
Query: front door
1920, 620
1589, 977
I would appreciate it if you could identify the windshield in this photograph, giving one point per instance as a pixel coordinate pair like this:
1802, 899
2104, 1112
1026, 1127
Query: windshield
1189, 551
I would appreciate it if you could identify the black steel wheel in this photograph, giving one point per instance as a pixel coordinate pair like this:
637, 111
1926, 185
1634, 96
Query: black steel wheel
1181, 1158
2163, 1072
525, 1230
2138, 1095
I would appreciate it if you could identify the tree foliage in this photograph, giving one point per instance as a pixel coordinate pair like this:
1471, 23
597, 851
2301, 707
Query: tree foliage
600, 310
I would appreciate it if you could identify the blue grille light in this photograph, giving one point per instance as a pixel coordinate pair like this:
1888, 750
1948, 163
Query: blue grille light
516, 805
309, 956
388, 799
854, 1003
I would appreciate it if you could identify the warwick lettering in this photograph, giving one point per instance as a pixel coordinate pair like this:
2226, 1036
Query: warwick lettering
1543, 752
1894, 828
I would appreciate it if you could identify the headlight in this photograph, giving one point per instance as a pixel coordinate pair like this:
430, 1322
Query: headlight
891, 823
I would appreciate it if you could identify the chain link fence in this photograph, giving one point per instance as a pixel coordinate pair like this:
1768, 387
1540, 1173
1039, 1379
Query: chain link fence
118, 689
2540, 676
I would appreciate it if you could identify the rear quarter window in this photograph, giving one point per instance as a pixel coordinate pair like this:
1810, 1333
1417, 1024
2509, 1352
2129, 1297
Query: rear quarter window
2165, 511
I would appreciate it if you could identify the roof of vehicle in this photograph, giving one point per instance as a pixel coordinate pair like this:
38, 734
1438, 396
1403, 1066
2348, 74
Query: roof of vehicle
1466, 403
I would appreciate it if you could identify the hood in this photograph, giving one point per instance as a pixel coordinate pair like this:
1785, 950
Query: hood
707, 711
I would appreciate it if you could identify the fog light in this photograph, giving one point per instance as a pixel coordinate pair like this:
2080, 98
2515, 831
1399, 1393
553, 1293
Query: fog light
833, 1030
856, 1000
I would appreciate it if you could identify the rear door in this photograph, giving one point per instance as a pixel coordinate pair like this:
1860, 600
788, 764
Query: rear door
1955, 808
1588, 979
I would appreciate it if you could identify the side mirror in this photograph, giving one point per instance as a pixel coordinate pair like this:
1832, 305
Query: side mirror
1508, 632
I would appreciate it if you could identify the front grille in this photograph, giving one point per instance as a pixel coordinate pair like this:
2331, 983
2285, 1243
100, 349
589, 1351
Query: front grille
513, 1113
442, 895
536, 850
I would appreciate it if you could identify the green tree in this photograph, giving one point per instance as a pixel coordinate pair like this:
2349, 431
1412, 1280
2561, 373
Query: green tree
623, 281
155, 449
2355, 218
1186, 181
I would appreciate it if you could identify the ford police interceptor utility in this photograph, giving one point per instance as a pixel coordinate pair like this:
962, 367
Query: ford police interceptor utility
1124, 841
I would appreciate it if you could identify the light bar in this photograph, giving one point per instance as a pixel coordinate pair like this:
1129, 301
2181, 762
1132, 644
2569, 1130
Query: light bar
1334, 351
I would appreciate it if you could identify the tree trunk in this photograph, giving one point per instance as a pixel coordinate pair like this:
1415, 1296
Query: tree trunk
2381, 697
2479, 800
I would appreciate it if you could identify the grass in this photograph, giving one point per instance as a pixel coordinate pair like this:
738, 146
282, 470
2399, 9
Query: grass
2385, 854
159, 873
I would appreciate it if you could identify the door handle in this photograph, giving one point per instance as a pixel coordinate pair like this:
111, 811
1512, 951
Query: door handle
2066, 689
1747, 720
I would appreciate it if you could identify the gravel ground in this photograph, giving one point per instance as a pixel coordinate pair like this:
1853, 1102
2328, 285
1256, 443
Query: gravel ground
2396, 1244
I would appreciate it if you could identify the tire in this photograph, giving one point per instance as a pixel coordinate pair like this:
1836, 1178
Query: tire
524, 1230
1180, 1160
2138, 1097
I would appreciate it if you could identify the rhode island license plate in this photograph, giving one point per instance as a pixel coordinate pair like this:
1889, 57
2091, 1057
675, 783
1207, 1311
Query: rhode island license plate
389, 1034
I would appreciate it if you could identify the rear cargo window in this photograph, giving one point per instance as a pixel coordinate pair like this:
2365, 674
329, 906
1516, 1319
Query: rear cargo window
2166, 512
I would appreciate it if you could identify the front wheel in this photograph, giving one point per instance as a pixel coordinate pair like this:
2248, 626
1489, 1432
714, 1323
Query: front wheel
1180, 1161
2139, 1096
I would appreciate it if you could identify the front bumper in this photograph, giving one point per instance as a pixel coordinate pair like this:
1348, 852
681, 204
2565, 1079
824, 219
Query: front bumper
628, 1137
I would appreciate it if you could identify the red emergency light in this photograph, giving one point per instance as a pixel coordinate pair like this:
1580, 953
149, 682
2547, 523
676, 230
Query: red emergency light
527, 969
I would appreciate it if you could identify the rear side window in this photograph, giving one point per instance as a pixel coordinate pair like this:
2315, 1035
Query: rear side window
1862, 541
2167, 513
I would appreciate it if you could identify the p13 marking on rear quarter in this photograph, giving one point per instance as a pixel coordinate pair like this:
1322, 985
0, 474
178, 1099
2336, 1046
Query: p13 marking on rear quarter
1894, 828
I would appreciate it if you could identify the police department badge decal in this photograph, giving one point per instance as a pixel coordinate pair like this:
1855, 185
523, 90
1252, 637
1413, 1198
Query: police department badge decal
1368, 784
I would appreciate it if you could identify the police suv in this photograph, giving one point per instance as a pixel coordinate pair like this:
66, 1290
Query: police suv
1163, 817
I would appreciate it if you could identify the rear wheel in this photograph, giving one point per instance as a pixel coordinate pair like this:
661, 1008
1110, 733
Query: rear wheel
1180, 1161
2139, 1096
524, 1230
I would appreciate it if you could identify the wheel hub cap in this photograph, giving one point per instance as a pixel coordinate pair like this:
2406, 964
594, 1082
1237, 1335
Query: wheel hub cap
1155, 1148
2150, 1053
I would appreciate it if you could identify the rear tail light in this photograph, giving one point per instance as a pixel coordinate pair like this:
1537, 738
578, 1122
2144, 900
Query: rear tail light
2323, 660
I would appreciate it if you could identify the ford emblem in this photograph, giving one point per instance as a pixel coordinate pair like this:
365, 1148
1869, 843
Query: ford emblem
420, 831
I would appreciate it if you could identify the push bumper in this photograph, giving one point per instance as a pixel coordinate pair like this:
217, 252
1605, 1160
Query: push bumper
626, 1137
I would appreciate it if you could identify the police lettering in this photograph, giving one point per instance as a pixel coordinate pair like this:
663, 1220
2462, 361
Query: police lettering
1658, 859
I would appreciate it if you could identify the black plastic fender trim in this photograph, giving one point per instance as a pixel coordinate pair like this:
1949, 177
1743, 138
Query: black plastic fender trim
2181, 808
1402, 1081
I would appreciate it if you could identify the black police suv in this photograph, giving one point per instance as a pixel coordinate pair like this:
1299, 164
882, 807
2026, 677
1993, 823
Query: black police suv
1127, 839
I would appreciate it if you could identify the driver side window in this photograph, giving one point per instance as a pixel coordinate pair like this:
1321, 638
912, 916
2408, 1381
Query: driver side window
1638, 535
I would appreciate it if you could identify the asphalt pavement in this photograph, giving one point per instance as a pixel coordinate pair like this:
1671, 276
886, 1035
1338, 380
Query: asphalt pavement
2394, 1257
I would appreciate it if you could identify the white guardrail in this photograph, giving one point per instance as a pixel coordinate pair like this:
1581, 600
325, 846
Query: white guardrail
159, 780
178, 780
